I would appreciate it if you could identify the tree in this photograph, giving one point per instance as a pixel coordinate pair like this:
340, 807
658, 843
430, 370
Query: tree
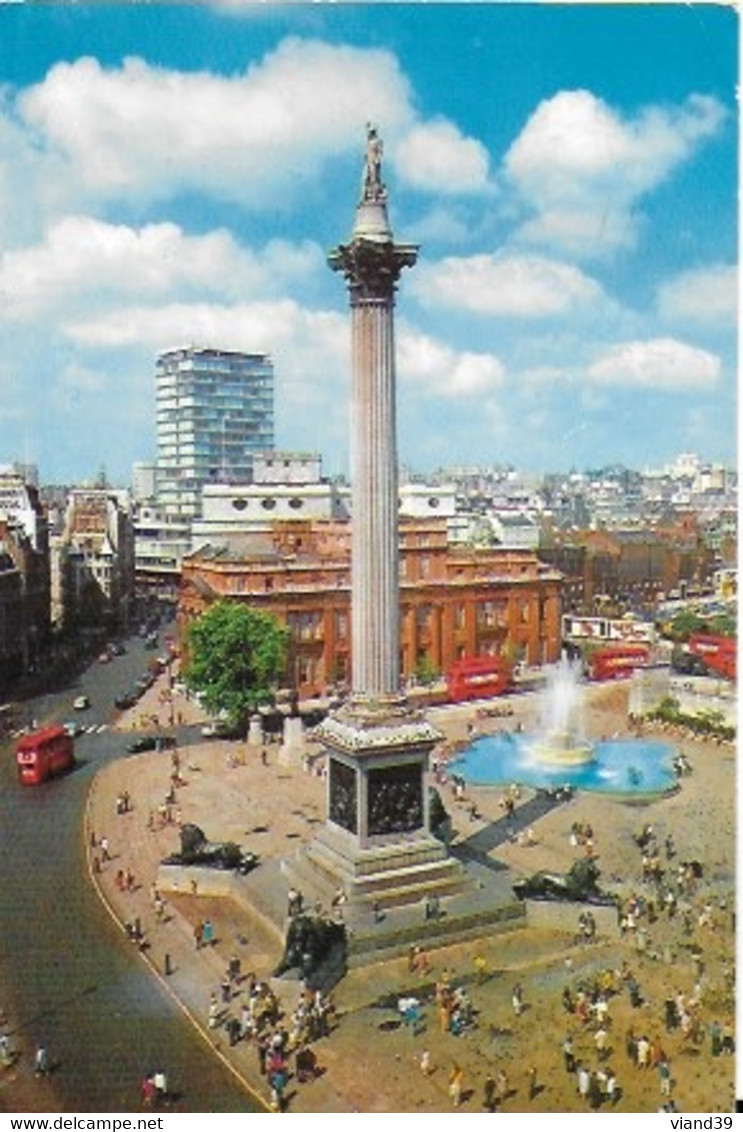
237, 654
426, 672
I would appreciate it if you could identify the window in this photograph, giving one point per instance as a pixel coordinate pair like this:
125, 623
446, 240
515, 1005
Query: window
268, 504
239, 504
486, 614
296, 503
422, 613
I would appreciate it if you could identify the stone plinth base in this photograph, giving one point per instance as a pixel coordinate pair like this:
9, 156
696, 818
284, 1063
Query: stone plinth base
255, 731
387, 875
292, 747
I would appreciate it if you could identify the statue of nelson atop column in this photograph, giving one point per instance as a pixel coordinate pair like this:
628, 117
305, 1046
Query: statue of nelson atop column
372, 186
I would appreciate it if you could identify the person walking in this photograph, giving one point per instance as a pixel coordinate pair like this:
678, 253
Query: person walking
161, 1085
41, 1061
600, 1038
715, 1036
664, 1073
488, 1100
584, 1082
533, 1086
207, 933
517, 1000
456, 1079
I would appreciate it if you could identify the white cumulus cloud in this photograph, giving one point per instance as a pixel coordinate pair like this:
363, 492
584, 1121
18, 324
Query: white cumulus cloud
581, 167
436, 157
660, 363
145, 132
428, 362
86, 260
509, 286
706, 295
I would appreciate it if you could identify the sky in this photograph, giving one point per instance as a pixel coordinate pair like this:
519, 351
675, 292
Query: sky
176, 174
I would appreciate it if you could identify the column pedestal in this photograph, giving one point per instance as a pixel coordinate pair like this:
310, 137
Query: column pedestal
376, 844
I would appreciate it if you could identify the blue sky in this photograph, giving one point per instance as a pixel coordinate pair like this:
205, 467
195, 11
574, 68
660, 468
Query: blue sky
173, 174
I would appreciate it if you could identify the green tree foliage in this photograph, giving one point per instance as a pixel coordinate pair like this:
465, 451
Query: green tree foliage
426, 672
689, 621
237, 655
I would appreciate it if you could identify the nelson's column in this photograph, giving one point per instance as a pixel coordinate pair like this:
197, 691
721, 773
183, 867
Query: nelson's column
376, 841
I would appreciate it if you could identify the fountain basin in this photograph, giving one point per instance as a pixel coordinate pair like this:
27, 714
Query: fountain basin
562, 749
630, 770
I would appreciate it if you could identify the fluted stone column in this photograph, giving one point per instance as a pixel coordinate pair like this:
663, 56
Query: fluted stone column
372, 264
377, 839
374, 542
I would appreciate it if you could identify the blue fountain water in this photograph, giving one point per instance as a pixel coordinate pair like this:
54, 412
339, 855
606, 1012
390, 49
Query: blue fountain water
561, 755
626, 767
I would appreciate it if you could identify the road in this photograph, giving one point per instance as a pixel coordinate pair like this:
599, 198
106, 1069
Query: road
68, 978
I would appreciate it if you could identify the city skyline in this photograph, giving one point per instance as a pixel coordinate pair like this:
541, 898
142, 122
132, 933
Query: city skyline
175, 175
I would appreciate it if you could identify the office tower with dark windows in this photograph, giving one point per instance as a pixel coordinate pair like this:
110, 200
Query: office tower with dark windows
215, 409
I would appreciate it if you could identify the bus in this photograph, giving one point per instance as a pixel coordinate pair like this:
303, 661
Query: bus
616, 661
44, 754
718, 653
477, 677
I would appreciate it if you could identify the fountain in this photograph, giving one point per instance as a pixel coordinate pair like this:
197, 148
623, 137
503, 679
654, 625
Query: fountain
559, 754
563, 743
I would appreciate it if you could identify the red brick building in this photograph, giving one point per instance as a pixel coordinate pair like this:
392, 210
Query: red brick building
629, 566
456, 601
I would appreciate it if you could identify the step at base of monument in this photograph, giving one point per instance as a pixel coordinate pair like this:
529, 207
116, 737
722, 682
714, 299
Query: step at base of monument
388, 877
377, 945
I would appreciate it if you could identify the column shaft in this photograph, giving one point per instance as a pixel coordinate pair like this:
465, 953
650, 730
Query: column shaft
375, 583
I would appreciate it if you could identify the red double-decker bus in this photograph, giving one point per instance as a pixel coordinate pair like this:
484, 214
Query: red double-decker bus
617, 661
718, 653
44, 754
477, 677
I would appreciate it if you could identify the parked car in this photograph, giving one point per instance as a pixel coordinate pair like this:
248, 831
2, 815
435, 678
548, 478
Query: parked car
73, 728
81, 703
222, 730
143, 743
128, 700
150, 743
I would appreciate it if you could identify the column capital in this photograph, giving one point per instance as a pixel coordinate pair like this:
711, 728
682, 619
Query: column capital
372, 268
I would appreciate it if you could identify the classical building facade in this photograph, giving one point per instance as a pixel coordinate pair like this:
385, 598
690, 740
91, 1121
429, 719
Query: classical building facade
285, 486
25, 581
97, 561
455, 601
214, 410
